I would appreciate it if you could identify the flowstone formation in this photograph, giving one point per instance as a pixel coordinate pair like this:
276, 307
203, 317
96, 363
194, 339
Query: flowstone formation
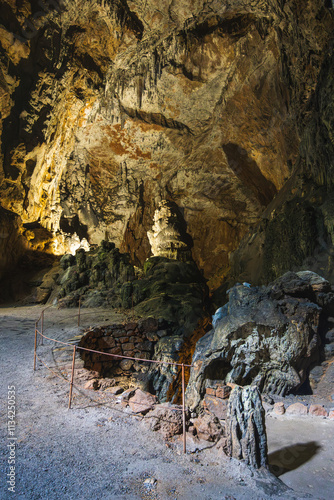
168, 237
109, 106
267, 336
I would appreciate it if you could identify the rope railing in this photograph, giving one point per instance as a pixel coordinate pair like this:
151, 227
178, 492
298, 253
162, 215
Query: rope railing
40, 335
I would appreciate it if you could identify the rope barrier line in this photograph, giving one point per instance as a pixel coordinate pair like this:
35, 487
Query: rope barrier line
75, 348
54, 373
114, 355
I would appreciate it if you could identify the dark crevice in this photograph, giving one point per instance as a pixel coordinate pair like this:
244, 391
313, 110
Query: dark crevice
155, 118
130, 19
235, 26
88, 63
73, 225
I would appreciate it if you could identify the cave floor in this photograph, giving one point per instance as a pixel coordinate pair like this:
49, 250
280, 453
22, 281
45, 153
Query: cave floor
98, 450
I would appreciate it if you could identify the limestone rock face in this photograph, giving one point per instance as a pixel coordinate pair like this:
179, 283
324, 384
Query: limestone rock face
264, 336
109, 107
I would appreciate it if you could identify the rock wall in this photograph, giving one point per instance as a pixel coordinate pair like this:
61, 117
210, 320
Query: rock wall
12, 244
269, 337
109, 107
130, 340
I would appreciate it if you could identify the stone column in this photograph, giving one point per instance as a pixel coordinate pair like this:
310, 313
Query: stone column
246, 431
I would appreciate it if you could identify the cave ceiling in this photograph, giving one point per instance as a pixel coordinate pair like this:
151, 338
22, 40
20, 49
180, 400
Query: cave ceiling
109, 107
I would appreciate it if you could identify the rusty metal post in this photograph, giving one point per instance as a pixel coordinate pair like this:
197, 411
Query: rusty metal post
72, 378
79, 311
35, 346
42, 327
184, 412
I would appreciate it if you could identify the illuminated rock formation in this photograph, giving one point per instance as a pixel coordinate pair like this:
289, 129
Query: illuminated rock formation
107, 105
167, 236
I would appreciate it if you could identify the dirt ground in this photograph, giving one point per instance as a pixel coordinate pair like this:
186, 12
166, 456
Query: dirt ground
98, 450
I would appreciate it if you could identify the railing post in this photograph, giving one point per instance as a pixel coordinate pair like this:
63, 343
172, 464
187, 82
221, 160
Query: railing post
184, 412
79, 311
35, 346
72, 378
42, 327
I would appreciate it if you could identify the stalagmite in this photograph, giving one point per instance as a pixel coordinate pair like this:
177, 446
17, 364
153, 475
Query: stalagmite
246, 430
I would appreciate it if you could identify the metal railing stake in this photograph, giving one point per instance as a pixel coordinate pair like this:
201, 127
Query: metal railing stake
42, 327
184, 413
72, 378
35, 346
79, 311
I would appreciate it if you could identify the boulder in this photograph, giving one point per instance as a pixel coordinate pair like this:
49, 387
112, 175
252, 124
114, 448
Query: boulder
166, 418
265, 336
142, 402
279, 408
296, 409
208, 427
215, 405
318, 411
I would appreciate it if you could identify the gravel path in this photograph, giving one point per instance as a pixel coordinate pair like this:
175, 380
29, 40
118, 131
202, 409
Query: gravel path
96, 450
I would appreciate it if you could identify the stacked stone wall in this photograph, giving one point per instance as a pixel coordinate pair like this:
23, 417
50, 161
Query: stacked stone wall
136, 340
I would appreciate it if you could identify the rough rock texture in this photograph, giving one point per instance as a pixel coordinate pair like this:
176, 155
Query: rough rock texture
246, 430
265, 336
134, 339
96, 276
171, 297
165, 418
109, 107
142, 402
302, 213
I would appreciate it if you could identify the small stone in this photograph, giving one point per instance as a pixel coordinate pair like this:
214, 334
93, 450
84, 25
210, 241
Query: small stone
123, 339
150, 481
207, 427
279, 408
126, 395
223, 392
211, 391
115, 390
167, 419
217, 406
126, 364
129, 346
296, 409
107, 342
142, 402
114, 350
130, 326
318, 411
92, 384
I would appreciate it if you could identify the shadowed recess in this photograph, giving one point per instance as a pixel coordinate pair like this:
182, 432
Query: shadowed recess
249, 173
